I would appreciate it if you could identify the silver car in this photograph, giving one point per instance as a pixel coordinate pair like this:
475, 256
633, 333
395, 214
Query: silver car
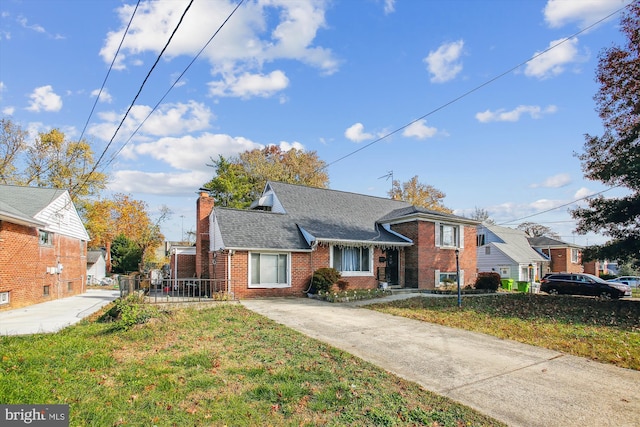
633, 281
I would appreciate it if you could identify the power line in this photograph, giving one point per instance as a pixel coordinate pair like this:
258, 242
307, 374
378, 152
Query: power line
95, 166
475, 89
113, 157
561, 206
124, 34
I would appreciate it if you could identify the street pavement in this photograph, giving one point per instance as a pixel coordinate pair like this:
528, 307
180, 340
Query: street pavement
52, 316
519, 384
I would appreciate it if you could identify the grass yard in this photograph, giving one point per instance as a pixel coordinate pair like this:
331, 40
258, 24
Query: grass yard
606, 331
223, 365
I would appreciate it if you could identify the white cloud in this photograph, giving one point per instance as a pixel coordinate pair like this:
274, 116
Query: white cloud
35, 27
105, 96
585, 12
555, 181
419, 130
581, 194
161, 183
167, 119
443, 63
286, 146
356, 133
249, 85
44, 98
259, 32
554, 61
501, 115
193, 153
389, 6
8, 110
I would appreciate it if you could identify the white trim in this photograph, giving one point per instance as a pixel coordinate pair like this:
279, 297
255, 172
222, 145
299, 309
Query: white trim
268, 285
368, 273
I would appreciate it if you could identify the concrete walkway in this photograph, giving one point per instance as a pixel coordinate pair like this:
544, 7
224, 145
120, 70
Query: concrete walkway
52, 316
518, 384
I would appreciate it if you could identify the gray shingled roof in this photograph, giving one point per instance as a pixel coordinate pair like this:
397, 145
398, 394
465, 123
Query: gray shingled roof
24, 203
544, 241
326, 215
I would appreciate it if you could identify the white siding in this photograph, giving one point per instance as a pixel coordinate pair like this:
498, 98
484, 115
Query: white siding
61, 217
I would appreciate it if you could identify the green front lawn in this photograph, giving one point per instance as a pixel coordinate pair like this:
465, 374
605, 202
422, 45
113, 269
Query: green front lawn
606, 331
223, 365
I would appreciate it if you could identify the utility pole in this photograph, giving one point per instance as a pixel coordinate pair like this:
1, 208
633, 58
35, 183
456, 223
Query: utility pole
182, 230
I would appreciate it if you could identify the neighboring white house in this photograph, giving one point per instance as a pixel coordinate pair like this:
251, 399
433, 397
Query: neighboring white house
96, 267
507, 251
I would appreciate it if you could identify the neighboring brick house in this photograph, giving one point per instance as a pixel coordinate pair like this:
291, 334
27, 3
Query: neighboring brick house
563, 257
43, 246
273, 248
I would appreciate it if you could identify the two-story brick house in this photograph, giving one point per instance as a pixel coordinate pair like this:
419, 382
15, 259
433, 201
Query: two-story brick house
273, 248
43, 246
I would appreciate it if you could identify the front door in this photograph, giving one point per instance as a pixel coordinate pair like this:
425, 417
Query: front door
392, 266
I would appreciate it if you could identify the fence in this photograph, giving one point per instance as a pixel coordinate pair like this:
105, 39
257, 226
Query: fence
175, 290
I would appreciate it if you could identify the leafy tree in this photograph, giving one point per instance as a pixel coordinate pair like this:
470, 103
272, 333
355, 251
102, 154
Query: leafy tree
419, 194
126, 255
239, 181
531, 229
614, 157
122, 216
50, 161
12, 144
231, 187
482, 215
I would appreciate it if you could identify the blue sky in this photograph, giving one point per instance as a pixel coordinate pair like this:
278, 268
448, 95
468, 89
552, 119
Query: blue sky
325, 76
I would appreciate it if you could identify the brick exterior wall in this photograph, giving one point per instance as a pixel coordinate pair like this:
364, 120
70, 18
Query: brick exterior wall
423, 258
186, 266
25, 262
204, 206
561, 261
303, 264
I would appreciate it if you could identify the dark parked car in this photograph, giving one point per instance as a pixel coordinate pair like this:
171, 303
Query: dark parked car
583, 284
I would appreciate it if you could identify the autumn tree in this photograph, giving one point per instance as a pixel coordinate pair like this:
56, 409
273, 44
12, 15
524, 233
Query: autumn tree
419, 194
241, 180
614, 157
51, 160
12, 144
531, 229
123, 216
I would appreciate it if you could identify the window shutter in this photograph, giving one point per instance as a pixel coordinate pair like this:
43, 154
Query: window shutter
461, 232
437, 234
437, 282
462, 278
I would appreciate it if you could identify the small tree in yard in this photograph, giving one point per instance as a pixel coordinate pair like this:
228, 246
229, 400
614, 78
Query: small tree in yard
323, 280
489, 281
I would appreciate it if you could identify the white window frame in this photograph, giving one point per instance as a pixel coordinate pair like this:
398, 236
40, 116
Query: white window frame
45, 238
458, 238
575, 256
438, 278
4, 297
505, 271
269, 285
368, 272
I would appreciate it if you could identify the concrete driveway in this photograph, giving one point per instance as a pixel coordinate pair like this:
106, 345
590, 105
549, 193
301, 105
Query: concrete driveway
518, 384
52, 316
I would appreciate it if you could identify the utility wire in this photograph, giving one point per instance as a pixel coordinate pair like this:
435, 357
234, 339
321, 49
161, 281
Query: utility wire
475, 89
113, 157
95, 166
561, 206
104, 82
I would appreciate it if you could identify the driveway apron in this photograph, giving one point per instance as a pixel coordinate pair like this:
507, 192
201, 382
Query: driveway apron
519, 384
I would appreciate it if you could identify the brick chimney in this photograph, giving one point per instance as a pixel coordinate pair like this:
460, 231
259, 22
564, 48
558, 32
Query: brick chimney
204, 207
